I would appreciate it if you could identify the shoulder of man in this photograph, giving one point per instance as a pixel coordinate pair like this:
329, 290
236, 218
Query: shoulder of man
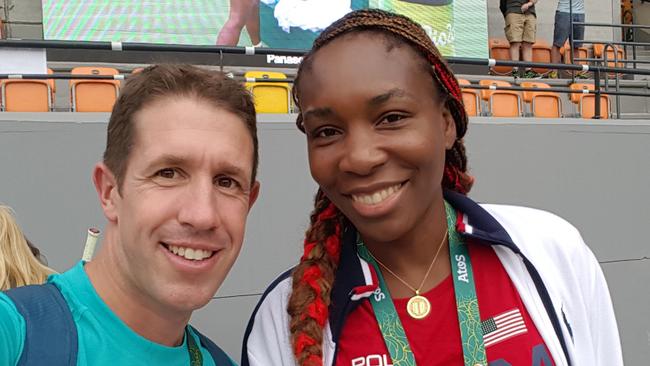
12, 331
49, 334
219, 357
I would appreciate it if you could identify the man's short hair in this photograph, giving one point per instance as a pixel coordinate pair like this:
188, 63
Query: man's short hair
168, 80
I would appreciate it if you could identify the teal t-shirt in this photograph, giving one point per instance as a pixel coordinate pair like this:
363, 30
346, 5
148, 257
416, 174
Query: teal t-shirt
103, 338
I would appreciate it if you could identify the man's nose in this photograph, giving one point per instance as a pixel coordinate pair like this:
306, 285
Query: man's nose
200, 207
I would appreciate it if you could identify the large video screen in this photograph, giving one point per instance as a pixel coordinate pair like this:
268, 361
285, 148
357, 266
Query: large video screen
458, 27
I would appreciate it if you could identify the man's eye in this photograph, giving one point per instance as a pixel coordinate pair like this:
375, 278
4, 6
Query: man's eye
225, 182
166, 173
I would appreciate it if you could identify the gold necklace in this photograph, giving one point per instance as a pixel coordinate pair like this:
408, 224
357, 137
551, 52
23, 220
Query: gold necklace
418, 307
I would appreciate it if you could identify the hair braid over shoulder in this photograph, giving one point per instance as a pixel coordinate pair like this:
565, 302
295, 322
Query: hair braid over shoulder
312, 282
314, 276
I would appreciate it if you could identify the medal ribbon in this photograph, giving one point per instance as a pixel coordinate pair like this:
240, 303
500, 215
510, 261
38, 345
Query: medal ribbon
466, 303
469, 318
386, 315
196, 358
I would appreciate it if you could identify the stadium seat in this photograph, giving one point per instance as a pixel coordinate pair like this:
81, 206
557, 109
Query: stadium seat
502, 103
582, 52
543, 104
93, 95
585, 103
541, 53
619, 53
470, 98
270, 97
587, 106
500, 50
23, 95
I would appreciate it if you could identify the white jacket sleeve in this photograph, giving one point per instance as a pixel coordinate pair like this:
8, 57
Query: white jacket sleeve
269, 341
602, 322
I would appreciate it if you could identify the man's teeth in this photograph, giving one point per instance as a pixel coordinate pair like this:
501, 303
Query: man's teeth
376, 197
189, 253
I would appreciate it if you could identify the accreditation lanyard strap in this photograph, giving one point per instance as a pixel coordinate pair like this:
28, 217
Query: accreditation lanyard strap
196, 359
466, 304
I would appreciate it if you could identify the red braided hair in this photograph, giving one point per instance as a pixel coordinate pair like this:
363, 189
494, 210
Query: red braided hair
314, 276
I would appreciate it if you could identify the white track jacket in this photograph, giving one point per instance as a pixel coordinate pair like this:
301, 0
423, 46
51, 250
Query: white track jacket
557, 277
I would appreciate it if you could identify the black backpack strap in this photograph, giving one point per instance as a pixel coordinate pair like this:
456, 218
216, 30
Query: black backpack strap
218, 355
50, 331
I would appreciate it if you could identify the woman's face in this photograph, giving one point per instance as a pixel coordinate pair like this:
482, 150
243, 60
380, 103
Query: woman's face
377, 132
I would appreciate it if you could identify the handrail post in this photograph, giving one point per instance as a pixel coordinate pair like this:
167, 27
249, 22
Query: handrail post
617, 81
571, 32
634, 48
597, 93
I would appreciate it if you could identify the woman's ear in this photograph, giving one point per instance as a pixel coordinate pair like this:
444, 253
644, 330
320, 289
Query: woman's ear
450, 126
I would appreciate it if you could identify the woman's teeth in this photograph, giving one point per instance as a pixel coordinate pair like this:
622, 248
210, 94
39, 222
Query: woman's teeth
376, 197
189, 253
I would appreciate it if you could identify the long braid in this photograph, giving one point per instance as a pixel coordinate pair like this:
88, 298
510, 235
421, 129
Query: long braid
314, 276
312, 282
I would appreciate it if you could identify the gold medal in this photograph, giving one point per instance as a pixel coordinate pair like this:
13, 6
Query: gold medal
418, 306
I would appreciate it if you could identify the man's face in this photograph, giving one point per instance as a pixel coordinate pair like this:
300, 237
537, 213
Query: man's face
181, 211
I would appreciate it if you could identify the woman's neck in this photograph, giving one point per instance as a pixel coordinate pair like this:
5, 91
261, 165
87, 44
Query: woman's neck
410, 256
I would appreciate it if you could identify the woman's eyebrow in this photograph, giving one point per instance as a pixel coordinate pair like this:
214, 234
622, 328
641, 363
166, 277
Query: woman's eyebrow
385, 97
317, 113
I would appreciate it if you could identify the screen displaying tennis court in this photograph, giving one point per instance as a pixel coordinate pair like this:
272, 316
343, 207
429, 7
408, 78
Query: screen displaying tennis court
458, 27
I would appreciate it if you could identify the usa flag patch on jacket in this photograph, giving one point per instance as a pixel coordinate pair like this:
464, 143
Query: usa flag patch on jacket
502, 327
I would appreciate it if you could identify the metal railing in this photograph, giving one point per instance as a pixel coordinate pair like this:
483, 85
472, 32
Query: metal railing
597, 70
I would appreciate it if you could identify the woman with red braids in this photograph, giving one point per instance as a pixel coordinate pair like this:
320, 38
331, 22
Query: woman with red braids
400, 267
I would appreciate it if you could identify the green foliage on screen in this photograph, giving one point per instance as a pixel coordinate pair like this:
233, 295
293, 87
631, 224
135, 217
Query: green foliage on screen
458, 27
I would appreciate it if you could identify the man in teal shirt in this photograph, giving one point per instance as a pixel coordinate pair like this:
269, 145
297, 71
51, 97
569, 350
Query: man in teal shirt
176, 185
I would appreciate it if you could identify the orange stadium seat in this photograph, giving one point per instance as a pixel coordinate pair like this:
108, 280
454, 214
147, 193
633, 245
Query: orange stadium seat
543, 104
500, 50
541, 53
619, 53
92, 95
502, 103
270, 97
585, 103
587, 106
23, 95
581, 52
470, 98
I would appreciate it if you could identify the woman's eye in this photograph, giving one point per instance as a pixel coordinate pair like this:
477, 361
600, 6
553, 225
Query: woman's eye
167, 173
392, 118
325, 132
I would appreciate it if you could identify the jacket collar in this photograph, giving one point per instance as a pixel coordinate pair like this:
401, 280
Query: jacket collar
353, 280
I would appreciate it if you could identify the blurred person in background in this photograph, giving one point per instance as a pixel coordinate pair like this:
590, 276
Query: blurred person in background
521, 32
20, 261
243, 13
562, 31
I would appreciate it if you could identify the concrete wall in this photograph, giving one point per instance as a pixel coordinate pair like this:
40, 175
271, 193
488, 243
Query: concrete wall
23, 18
594, 174
642, 16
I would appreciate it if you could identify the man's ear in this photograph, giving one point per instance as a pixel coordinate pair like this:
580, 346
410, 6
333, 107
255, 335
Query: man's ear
107, 190
450, 127
255, 192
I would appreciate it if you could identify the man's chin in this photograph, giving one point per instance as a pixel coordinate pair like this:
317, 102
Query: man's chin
190, 299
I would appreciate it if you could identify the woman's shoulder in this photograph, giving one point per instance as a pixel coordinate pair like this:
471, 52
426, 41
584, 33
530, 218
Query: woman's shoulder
535, 231
267, 336
277, 292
